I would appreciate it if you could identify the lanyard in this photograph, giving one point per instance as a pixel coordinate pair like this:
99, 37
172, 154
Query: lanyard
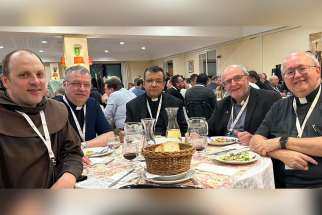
299, 127
80, 132
233, 122
46, 140
158, 111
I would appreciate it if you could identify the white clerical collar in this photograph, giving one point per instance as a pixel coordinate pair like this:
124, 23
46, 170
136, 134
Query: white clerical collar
79, 108
154, 99
303, 100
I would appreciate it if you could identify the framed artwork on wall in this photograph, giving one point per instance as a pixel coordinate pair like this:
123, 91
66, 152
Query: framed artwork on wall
190, 66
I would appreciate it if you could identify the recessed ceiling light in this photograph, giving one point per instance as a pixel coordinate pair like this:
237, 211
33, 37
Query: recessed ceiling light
44, 42
122, 43
106, 51
41, 51
1, 47
143, 47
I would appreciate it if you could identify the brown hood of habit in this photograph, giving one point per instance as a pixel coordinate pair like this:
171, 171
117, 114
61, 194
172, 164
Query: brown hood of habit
13, 124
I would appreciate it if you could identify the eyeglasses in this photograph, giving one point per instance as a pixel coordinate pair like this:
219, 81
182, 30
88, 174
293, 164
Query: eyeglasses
236, 78
156, 82
77, 84
302, 69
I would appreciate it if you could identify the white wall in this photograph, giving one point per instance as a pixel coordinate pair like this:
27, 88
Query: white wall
260, 52
136, 69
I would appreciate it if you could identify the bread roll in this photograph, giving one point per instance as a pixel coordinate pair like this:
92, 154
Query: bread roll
168, 147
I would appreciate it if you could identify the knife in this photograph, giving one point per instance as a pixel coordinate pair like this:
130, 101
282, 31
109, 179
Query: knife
227, 150
120, 178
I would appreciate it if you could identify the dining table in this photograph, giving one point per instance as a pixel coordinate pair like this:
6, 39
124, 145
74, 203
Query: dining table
113, 171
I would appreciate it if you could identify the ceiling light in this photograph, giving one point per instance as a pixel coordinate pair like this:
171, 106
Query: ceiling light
44, 42
122, 43
41, 51
143, 47
106, 51
1, 47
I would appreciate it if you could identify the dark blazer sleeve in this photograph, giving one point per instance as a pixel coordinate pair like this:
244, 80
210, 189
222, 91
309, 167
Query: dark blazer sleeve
129, 112
181, 119
259, 105
217, 123
212, 100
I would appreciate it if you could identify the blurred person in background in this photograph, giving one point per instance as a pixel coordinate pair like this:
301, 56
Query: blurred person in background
95, 93
200, 101
177, 83
118, 97
193, 79
255, 80
138, 90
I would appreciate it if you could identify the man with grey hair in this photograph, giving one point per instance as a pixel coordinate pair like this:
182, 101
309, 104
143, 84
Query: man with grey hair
243, 110
118, 97
85, 114
291, 131
275, 83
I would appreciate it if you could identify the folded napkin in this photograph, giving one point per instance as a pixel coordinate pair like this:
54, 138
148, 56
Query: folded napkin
98, 183
100, 160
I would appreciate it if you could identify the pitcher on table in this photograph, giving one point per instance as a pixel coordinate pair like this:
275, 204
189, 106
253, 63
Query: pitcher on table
173, 130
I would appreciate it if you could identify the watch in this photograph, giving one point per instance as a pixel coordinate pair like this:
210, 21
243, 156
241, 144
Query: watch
283, 142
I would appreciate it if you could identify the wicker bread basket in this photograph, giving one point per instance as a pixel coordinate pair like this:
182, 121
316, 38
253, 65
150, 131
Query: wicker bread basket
168, 163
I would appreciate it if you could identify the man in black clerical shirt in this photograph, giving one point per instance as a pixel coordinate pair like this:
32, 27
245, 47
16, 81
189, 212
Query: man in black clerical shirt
291, 131
155, 101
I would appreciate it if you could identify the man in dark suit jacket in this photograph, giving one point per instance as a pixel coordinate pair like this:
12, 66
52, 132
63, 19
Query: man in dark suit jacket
249, 106
200, 100
147, 105
177, 84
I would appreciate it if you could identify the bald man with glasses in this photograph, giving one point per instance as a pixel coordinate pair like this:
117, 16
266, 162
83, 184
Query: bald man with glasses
291, 131
241, 113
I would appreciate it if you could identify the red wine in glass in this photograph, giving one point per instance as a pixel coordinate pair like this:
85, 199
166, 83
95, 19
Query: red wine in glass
130, 155
200, 148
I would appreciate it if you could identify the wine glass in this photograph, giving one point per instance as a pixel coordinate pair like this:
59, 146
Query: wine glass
130, 149
198, 133
133, 139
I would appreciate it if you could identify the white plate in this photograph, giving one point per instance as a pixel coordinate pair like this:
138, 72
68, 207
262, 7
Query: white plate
165, 177
222, 140
255, 157
188, 175
97, 151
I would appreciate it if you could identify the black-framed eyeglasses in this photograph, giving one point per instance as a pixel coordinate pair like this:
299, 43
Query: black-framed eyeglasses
77, 84
302, 69
236, 78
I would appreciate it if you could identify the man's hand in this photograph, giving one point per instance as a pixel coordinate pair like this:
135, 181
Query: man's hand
296, 160
66, 181
265, 146
244, 137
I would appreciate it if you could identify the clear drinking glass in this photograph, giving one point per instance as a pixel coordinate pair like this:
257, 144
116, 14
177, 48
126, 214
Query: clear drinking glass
114, 142
133, 140
198, 133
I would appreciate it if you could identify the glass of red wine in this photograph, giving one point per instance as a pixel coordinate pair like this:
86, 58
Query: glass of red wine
130, 150
133, 140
